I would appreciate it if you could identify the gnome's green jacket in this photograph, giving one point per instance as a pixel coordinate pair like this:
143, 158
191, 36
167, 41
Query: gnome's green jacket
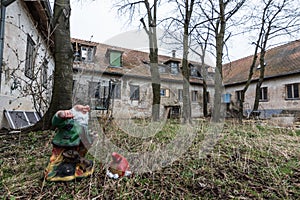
67, 133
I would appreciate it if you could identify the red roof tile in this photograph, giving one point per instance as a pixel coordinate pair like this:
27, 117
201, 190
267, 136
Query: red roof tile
134, 63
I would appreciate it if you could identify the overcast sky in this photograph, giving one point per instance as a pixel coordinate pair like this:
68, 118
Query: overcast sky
95, 20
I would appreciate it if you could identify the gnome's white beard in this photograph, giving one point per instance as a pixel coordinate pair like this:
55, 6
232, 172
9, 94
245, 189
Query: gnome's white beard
79, 117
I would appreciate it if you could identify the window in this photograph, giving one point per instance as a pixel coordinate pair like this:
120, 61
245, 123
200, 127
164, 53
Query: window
164, 92
180, 94
292, 91
263, 94
87, 53
115, 58
207, 97
194, 71
45, 73
194, 95
134, 92
21, 119
238, 95
98, 89
174, 67
117, 91
29, 57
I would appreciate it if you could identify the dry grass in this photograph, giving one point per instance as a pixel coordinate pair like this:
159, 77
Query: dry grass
247, 162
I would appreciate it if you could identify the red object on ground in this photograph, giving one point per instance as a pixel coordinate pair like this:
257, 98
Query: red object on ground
119, 164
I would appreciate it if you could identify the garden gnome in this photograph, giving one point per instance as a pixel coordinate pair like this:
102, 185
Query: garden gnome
70, 145
118, 167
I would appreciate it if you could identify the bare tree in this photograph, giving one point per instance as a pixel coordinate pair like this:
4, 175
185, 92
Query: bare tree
278, 18
150, 28
219, 15
63, 73
202, 37
178, 28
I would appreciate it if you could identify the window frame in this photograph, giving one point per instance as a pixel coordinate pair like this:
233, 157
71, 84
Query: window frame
263, 94
111, 63
174, 65
290, 90
134, 92
194, 72
29, 67
194, 95
238, 95
117, 90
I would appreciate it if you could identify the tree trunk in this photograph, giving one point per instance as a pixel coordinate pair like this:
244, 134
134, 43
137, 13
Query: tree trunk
155, 77
260, 80
205, 99
186, 84
153, 56
220, 33
63, 73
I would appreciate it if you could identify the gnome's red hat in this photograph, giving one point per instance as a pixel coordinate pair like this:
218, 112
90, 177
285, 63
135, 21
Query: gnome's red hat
119, 164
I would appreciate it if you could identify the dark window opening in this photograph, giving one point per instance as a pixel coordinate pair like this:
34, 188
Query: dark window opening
29, 68
263, 94
134, 92
292, 91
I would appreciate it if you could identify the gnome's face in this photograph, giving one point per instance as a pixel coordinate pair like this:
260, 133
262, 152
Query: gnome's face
81, 114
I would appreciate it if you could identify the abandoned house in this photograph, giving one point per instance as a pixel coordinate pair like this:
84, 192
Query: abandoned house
27, 62
100, 69
279, 92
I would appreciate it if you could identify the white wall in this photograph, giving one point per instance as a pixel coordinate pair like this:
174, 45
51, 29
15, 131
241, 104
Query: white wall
276, 94
18, 23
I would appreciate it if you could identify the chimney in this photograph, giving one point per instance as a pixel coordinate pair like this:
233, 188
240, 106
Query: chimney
173, 53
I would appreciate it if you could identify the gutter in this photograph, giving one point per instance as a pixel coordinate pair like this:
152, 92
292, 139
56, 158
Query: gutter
4, 4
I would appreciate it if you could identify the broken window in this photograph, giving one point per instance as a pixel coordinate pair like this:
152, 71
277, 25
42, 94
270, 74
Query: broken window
87, 53
117, 91
194, 95
194, 71
29, 71
174, 67
100, 94
292, 91
134, 92
21, 119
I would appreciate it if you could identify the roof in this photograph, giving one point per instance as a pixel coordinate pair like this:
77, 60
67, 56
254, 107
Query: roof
134, 63
280, 61
41, 12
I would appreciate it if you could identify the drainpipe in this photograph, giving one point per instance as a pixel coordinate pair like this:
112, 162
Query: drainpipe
4, 4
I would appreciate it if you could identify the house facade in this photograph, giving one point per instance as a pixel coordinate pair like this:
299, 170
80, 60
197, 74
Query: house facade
279, 92
27, 62
98, 68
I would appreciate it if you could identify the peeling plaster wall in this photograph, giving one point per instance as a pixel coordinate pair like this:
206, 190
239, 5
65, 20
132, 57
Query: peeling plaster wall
276, 95
18, 24
141, 108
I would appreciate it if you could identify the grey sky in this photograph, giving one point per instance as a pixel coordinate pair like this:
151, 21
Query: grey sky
97, 21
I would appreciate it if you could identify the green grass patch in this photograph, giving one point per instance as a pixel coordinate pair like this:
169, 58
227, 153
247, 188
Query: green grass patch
246, 161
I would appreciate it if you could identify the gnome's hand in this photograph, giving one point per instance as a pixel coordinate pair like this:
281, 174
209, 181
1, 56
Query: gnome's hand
65, 114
